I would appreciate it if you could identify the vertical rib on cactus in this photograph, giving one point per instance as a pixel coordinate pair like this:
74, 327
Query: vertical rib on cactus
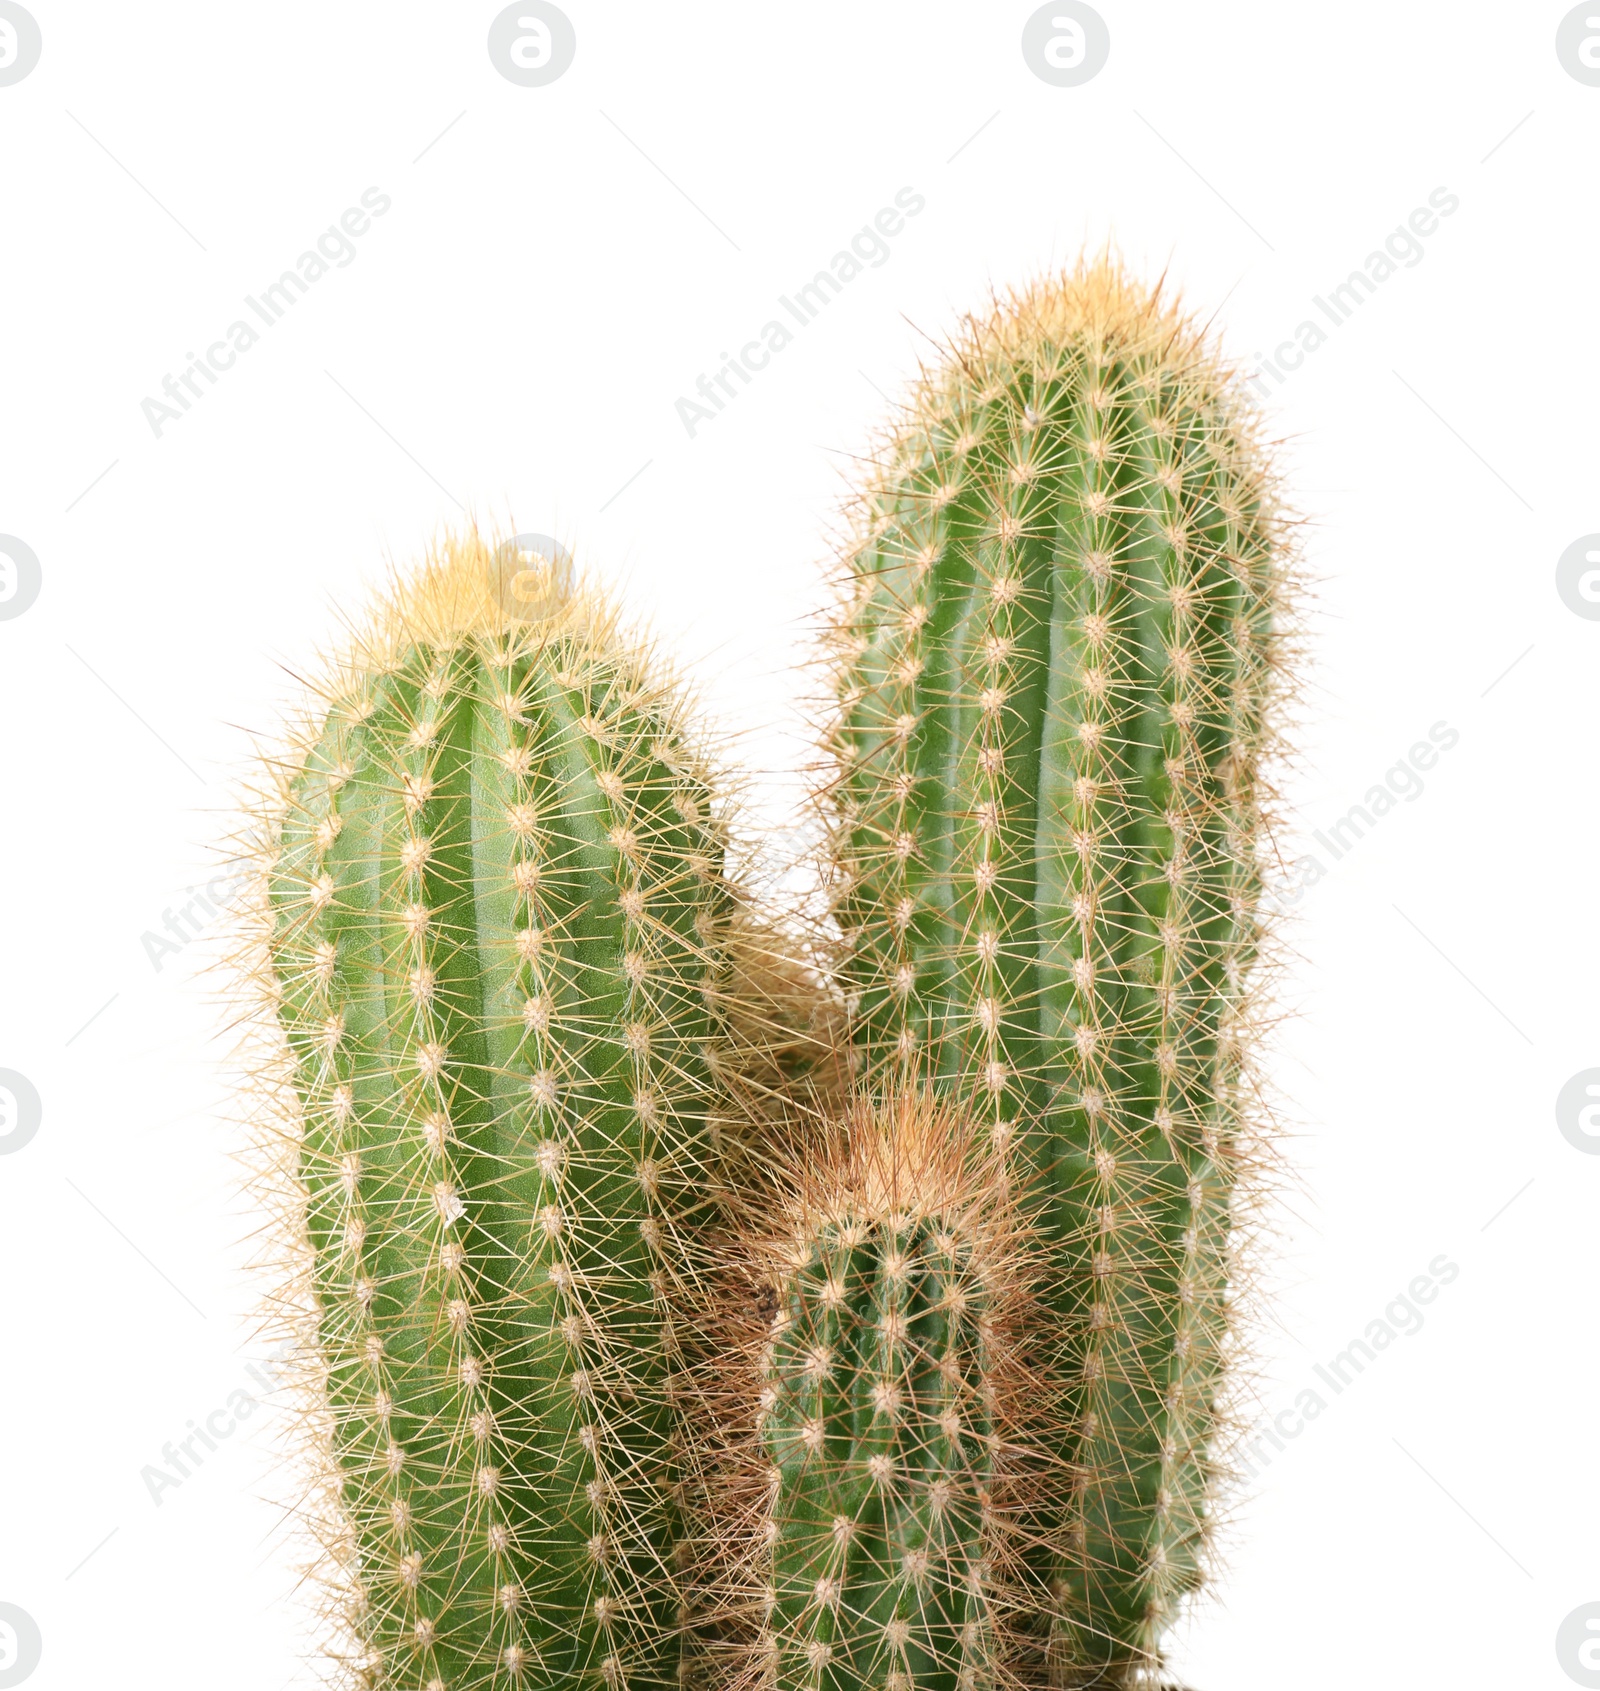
881, 1481
497, 909
1056, 660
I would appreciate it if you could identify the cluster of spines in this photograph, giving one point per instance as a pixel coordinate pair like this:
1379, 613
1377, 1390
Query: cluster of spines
499, 917
1056, 650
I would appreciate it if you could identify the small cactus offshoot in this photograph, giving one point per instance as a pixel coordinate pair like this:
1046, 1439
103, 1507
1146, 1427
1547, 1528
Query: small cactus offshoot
878, 1486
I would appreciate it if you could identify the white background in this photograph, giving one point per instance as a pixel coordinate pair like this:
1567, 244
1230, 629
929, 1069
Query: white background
510, 339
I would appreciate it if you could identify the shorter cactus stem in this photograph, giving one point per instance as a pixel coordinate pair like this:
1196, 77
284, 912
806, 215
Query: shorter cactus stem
496, 914
882, 1415
880, 1438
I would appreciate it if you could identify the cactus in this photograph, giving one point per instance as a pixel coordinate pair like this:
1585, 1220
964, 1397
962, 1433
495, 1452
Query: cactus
497, 906
1058, 652
880, 1477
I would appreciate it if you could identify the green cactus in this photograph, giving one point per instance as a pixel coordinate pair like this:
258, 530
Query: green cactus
496, 908
885, 1477
1058, 653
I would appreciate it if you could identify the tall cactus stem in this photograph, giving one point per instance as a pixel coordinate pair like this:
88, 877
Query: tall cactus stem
1060, 649
494, 936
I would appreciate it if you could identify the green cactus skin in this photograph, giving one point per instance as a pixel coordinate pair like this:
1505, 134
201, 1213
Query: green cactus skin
1058, 655
873, 1580
496, 907
881, 1409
